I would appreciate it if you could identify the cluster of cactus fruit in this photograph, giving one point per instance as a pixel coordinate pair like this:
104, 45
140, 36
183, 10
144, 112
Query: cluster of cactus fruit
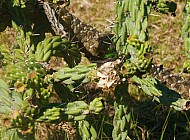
28, 98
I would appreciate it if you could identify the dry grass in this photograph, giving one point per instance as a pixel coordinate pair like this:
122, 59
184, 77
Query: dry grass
98, 13
8, 37
165, 35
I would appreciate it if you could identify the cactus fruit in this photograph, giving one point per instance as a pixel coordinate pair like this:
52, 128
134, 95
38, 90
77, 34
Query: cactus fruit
140, 58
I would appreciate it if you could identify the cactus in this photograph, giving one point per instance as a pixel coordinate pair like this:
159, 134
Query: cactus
22, 50
73, 111
140, 60
46, 48
78, 74
15, 110
71, 27
161, 93
22, 114
56, 45
122, 116
31, 95
121, 122
175, 81
29, 79
131, 20
131, 35
185, 35
87, 131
